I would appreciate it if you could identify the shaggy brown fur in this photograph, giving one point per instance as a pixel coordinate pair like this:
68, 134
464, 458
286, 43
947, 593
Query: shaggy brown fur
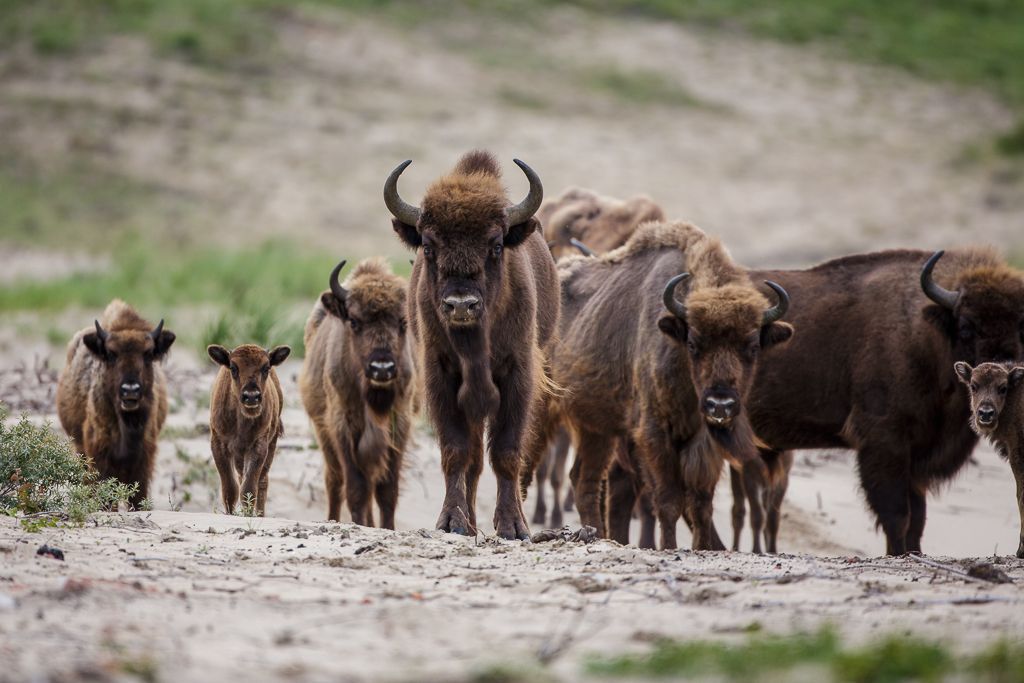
483, 303
601, 223
632, 370
872, 370
245, 421
358, 386
112, 394
997, 413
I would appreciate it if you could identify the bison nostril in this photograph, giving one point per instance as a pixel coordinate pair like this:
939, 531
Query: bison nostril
720, 407
129, 389
461, 305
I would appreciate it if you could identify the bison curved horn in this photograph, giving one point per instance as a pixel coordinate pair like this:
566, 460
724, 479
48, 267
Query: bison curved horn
669, 296
336, 289
399, 208
521, 212
933, 291
584, 249
778, 310
100, 332
157, 331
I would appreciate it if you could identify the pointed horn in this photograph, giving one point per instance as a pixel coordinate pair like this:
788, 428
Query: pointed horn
669, 296
399, 208
521, 212
933, 291
336, 289
584, 249
778, 310
157, 331
100, 332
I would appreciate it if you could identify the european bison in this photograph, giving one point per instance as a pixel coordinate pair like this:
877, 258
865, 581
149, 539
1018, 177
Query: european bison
112, 394
997, 412
673, 381
245, 421
601, 223
872, 369
358, 385
483, 304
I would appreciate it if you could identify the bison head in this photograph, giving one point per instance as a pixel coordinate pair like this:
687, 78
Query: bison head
250, 367
989, 384
724, 330
128, 355
372, 304
462, 231
983, 315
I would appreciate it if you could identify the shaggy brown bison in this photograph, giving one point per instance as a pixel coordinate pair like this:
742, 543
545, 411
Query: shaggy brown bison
112, 394
997, 412
674, 380
483, 304
872, 369
245, 421
600, 223
357, 385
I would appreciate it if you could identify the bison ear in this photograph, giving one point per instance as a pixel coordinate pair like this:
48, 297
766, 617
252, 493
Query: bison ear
673, 327
517, 234
1016, 376
963, 371
95, 344
334, 305
219, 354
162, 344
409, 235
942, 318
279, 354
776, 333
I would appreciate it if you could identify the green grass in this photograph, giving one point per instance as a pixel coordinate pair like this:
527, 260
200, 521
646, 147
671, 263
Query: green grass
640, 87
887, 660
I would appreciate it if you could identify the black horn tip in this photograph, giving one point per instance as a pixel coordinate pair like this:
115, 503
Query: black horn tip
932, 290
336, 287
669, 295
584, 249
779, 309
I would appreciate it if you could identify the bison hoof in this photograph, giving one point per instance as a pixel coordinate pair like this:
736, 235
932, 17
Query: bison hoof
455, 521
539, 516
512, 528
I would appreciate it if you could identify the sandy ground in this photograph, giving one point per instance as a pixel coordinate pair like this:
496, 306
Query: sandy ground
186, 593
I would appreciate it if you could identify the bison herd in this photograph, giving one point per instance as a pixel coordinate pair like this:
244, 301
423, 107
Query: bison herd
592, 321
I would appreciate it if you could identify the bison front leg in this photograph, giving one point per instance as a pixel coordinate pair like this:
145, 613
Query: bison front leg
777, 494
593, 456
1017, 465
754, 484
540, 509
739, 508
559, 454
887, 489
252, 471
506, 441
918, 516
225, 468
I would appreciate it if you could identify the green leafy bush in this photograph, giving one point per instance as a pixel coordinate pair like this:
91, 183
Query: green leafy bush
40, 474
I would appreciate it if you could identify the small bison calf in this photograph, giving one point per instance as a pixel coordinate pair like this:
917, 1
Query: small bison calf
997, 413
245, 420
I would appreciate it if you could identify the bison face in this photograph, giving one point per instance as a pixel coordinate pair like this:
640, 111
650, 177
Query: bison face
128, 356
724, 330
989, 384
462, 231
250, 367
983, 317
373, 307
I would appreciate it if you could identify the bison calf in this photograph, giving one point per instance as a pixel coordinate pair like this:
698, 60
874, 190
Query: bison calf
997, 412
112, 394
245, 420
358, 385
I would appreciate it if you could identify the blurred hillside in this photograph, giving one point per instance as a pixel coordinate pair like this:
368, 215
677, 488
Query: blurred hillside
218, 156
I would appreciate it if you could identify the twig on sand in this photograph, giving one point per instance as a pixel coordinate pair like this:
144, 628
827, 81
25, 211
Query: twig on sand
554, 646
946, 568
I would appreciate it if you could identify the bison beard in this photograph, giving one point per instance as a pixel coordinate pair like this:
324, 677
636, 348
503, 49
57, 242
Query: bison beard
483, 302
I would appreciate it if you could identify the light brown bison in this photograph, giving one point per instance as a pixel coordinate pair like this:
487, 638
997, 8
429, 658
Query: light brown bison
872, 369
358, 385
600, 223
997, 412
245, 421
112, 394
673, 380
483, 303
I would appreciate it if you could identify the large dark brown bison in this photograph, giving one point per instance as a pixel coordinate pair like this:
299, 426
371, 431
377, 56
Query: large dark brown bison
636, 361
872, 369
358, 386
601, 223
112, 394
245, 421
483, 303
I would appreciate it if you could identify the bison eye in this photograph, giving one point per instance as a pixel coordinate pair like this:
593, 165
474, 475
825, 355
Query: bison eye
401, 324
1002, 390
428, 251
265, 370
234, 371
356, 325
974, 387
496, 250
692, 346
966, 332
